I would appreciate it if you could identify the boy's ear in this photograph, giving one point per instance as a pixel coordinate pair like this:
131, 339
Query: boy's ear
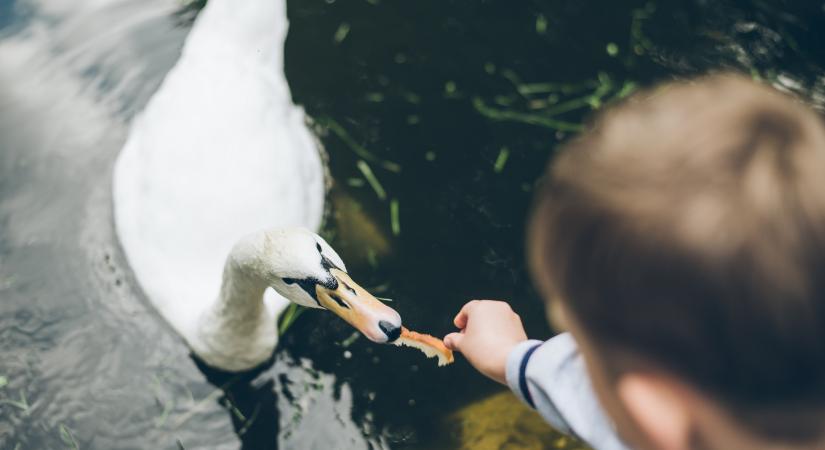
659, 407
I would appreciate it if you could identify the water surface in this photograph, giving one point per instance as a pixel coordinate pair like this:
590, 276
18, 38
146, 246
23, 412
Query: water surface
453, 107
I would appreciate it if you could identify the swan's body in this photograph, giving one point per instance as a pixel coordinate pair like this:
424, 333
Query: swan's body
220, 152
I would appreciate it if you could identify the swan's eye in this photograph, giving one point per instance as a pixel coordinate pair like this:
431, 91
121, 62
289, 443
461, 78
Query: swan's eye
308, 285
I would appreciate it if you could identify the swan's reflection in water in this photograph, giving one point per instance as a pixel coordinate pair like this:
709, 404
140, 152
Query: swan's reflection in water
289, 403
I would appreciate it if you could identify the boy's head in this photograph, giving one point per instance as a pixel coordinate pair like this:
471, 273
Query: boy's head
684, 237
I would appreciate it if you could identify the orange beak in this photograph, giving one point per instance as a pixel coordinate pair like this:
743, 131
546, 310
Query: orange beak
359, 308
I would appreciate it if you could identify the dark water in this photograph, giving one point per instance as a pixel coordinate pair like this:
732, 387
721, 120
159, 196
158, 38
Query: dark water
455, 107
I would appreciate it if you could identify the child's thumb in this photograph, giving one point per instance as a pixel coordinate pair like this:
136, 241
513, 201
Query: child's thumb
453, 341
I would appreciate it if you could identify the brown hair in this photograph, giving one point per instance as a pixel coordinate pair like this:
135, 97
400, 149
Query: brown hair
687, 227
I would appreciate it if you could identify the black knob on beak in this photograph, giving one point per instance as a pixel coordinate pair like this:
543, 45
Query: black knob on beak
392, 331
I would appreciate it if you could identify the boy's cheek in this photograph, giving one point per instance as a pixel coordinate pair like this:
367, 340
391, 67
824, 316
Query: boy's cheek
556, 316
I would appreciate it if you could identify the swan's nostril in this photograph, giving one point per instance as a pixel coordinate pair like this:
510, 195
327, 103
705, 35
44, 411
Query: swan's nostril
392, 331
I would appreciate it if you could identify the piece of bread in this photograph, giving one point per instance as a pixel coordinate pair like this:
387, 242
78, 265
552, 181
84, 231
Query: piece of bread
430, 345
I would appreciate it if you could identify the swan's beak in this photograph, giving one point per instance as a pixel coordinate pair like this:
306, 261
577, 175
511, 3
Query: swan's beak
359, 308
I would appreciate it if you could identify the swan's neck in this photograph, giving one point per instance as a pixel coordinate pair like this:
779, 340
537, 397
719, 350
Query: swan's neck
250, 28
242, 291
238, 331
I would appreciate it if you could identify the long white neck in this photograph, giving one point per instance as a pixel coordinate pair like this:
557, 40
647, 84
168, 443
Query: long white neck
240, 301
238, 332
253, 28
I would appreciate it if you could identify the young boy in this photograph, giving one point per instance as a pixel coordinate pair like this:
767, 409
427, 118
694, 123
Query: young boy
682, 238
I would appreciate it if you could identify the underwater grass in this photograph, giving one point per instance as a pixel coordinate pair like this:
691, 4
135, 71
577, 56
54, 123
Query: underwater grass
251, 420
68, 438
503, 115
166, 406
501, 160
293, 311
357, 148
351, 339
395, 221
21, 404
341, 33
372, 179
201, 404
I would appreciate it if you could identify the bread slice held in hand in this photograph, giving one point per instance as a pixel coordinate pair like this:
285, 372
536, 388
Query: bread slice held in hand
432, 347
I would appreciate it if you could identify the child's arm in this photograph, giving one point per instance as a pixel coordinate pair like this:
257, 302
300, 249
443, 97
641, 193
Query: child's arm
549, 376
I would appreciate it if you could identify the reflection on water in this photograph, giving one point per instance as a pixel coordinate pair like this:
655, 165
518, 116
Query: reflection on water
437, 116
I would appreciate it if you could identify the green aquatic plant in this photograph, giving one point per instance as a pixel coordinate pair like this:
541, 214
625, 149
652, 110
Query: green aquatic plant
351, 339
541, 24
371, 179
201, 404
68, 438
293, 311
252, 417
547, 101
505, 115
165, 406
395, 221
639, 42
21, 404
341, 33
357, 148
501, 160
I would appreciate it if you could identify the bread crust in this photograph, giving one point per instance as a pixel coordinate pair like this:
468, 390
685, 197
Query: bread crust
431, 346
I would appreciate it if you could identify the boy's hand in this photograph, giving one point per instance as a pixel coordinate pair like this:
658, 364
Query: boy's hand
489, 330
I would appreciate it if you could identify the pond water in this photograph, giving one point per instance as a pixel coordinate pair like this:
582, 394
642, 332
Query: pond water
453, 107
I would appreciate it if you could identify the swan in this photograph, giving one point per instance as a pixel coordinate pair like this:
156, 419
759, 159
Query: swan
216, 190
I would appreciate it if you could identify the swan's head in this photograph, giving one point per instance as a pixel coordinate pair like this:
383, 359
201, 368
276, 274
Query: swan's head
306, 270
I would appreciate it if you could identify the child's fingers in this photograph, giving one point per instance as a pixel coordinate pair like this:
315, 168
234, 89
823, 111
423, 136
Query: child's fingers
460, 320
453, 341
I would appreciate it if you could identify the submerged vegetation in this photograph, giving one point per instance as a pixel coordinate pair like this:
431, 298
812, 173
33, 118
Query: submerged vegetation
472, 105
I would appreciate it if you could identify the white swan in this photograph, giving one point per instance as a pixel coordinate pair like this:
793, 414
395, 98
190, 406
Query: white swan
221, 152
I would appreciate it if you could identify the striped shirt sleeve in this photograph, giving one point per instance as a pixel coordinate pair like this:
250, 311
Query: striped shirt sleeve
551, 378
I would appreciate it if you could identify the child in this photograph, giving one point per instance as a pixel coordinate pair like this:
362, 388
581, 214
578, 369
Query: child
682, 238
